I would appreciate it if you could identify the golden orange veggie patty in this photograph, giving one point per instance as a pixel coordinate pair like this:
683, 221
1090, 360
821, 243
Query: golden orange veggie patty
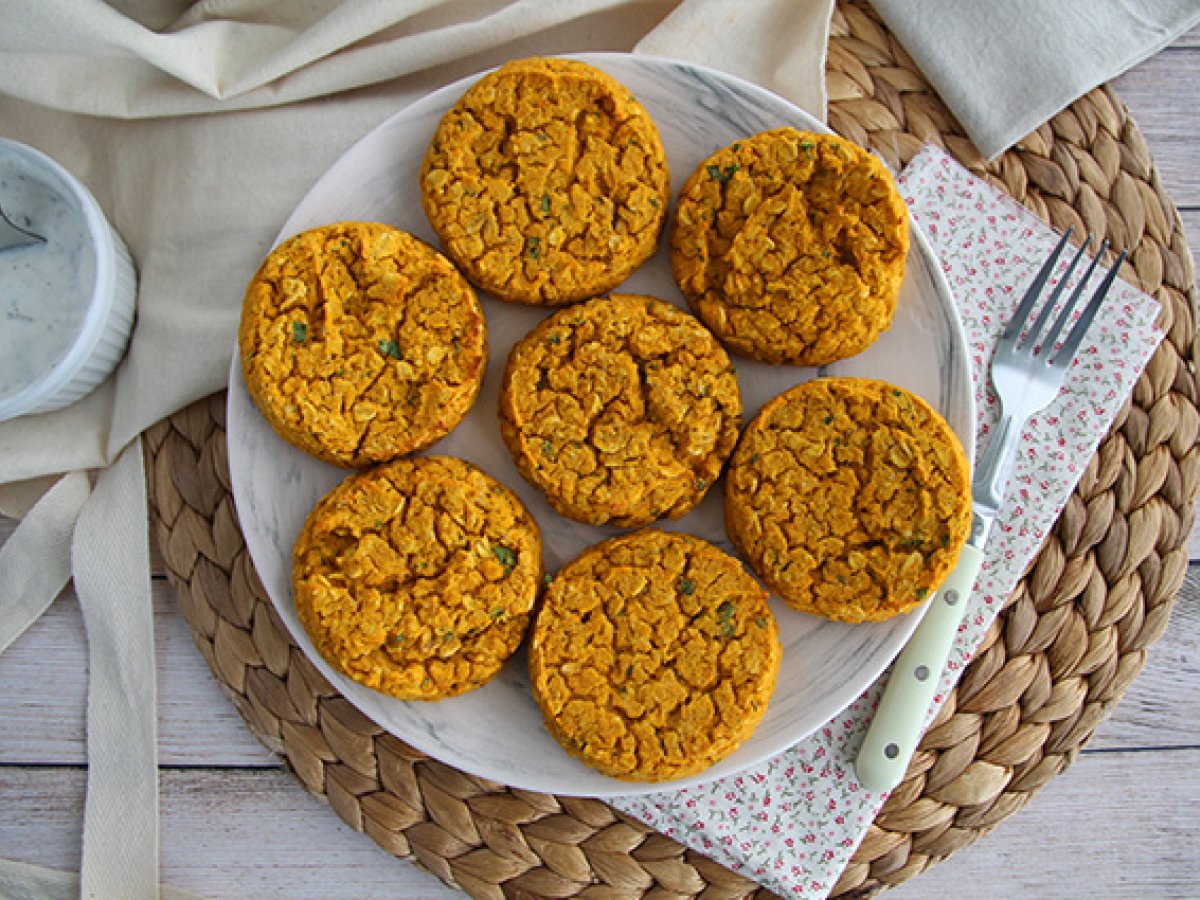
653, 656
547, 182
361, 343
418, 577
849, 497
791, 246
621, 410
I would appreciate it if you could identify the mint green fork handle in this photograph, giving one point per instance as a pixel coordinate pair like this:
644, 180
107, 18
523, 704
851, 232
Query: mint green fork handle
900, 719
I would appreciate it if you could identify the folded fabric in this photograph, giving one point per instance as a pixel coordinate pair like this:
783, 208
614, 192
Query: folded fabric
794, 822
200, 198
198, 127
175, 59
779, 44
1003, 68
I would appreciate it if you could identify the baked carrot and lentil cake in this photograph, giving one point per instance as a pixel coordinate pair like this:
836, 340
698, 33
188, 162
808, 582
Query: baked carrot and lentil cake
621, 410
849, 497
653, 655
360, 343
791, 246
546, 182
417, 577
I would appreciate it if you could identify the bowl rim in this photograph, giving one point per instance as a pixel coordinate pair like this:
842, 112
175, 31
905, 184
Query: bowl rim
100, 301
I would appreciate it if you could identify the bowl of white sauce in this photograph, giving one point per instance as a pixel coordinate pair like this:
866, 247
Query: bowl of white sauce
66, 305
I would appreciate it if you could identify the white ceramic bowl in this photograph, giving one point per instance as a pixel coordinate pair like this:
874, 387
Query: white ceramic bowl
103, 331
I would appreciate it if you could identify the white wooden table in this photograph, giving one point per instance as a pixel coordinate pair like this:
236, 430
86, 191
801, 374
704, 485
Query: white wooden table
1120, 823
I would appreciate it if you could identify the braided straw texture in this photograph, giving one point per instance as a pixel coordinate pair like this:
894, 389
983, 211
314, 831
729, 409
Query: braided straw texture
1070, 640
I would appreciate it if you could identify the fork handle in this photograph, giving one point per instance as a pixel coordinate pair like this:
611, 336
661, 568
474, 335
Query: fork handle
900, 718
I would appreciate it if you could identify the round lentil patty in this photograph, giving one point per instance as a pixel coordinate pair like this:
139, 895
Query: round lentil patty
417, 577
653, 655
849, 497
546, 182
791, 246
620, 410
360, 343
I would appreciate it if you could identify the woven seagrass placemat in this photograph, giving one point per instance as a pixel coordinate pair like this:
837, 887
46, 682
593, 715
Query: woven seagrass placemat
1069, 642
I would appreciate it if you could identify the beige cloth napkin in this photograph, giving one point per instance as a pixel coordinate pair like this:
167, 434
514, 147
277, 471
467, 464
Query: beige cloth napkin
199, 198
198, 127
1006, 66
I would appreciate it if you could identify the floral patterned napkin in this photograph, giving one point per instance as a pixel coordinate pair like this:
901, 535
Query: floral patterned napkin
793, 822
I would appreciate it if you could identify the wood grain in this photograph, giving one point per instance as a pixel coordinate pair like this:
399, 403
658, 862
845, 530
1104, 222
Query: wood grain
255, 833
1102, 830
1119, 823
225, 833
1161, 93
44, 723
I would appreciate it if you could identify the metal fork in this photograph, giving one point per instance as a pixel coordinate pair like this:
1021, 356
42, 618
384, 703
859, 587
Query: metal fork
1028, 370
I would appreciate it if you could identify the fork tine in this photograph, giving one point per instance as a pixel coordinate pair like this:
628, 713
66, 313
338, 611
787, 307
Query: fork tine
1067, 352
1069, 307
1031, 336
1035, 289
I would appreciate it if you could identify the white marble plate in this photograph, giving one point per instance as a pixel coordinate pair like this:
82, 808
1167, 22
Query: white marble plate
496, 731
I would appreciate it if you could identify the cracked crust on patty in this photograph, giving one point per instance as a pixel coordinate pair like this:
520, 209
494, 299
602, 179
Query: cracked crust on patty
417, 577
546, 183
791, 246
850, 498
620, 410
361, 343
653, 656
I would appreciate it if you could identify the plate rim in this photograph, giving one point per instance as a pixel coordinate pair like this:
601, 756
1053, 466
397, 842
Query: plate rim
606, 786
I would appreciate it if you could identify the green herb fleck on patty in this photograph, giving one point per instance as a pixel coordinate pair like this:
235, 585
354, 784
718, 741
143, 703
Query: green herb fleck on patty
725, 618
506, 557
722, 175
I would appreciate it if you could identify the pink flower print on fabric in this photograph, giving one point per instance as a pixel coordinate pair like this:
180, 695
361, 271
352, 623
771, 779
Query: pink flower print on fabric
793, 822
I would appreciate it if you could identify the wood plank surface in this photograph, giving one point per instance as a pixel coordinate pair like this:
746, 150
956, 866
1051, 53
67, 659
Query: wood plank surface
1119, 823
44, 724
238, 833
1161, 94
256, 835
